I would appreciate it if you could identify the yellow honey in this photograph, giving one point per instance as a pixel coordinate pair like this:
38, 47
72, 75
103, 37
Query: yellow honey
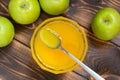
50, 38
73, 40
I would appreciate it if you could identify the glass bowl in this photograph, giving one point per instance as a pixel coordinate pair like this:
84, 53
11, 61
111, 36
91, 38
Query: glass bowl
73, 39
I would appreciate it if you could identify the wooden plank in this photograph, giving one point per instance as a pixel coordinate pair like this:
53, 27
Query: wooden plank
100, 59
16, 63
23, 33
83, 11
3, 8
102, 56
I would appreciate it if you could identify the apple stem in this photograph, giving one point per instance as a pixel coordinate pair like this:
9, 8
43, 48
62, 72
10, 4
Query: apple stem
23, 6
106, 20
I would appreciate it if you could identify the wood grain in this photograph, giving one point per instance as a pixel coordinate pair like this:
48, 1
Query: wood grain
16, 62
103, 57
83, 11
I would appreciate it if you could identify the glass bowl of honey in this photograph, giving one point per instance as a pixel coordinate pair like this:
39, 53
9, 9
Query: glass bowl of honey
73, 38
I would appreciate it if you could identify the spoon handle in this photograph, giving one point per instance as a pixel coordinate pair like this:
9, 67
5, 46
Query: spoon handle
86, 68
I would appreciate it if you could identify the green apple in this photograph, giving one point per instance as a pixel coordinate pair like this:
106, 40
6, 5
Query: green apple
6, 31
24, 11
106, 23
54, 7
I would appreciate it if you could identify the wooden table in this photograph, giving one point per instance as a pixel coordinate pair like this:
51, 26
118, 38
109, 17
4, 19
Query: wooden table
16, 62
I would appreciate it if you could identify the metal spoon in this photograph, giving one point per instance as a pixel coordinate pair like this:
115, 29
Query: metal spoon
52, 35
